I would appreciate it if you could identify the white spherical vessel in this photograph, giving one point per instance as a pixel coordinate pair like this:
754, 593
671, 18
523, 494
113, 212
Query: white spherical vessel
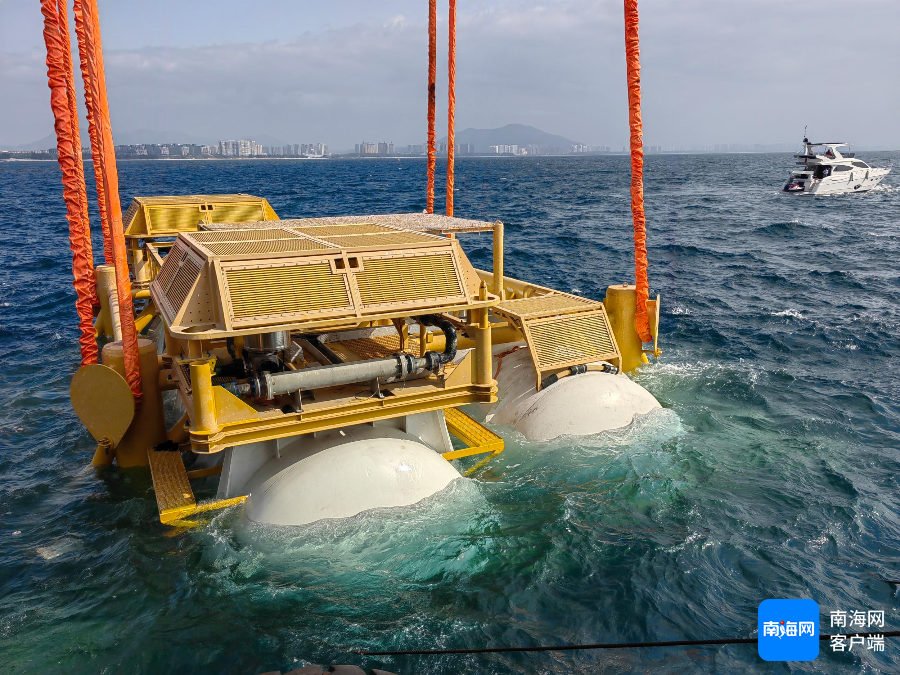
578, 405
336, 474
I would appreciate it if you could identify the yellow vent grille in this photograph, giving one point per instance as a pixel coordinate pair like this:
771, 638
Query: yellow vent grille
285, 290
181, 285
253, 225
232, 213
386, 239
242, 235
129, 214
178, 218
271, 246
570, 340
405, 279
544, 305
170, 266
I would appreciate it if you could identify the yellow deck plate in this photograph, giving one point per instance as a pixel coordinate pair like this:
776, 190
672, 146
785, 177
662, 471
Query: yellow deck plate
478, 437
174, 495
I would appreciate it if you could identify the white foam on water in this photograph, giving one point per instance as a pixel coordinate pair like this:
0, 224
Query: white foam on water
793, 313
58, 548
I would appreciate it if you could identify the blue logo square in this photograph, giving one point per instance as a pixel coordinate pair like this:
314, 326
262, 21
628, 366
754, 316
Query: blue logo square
788, 630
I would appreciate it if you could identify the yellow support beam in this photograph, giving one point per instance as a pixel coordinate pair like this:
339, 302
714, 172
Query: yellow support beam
479, 439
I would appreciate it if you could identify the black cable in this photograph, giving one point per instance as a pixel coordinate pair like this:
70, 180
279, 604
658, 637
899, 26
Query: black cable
608, 645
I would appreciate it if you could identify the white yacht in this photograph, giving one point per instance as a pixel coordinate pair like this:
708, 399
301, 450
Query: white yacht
832, 171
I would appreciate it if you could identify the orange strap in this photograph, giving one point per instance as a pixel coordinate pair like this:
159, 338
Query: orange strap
432, 77
81, 30
105, 149
502, 356
633, 61
68, 142
451, 108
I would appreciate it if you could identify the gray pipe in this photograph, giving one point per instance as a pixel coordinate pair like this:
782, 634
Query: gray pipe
396, 367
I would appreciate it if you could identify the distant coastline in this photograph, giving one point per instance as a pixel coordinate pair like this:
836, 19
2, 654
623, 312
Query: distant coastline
7, 156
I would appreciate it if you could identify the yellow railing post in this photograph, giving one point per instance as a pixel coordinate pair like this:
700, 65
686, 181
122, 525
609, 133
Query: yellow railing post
484, 364
499, 285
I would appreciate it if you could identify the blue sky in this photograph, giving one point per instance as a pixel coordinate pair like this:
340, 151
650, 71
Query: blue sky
724, 71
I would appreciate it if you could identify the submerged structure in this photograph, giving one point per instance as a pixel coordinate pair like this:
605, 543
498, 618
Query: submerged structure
323, 367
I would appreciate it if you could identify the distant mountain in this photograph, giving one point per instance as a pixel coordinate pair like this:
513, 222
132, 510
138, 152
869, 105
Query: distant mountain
511, 134
45, 143
151, 136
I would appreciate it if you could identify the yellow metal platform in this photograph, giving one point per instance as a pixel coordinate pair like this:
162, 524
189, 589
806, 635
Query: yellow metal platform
479, 439
174, 495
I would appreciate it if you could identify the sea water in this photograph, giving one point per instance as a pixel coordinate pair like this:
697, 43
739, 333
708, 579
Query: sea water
771, 471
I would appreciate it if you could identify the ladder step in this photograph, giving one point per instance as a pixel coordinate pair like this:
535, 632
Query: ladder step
478, 437
174, 495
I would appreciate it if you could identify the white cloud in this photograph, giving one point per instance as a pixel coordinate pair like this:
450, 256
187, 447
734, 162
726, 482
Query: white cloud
727, 71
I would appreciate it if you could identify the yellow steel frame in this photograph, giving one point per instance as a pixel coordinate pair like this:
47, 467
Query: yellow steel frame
269, 426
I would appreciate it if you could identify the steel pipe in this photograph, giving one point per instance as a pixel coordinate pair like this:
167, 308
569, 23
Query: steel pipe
397, 367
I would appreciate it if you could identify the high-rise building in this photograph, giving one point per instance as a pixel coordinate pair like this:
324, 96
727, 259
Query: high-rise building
229, 148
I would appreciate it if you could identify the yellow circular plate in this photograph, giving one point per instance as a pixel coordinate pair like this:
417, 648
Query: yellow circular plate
103, 402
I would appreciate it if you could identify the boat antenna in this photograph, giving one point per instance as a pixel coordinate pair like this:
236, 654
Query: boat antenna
805, 138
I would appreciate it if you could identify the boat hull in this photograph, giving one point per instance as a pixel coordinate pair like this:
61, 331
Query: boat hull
862, 180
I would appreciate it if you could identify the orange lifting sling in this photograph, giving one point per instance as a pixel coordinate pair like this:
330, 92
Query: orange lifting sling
61, 79
633, 62
432, 99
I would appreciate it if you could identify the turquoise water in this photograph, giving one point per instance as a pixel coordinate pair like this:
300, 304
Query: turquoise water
772, 470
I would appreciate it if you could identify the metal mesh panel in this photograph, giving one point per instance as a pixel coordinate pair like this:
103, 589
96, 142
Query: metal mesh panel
170, 266
224, 227
388, 238
326, 230
271, 246
547, 305
407, 279
381, 346
570, 340
129, 214
177, 218
236, 212
285, 290
243, 235
181, 286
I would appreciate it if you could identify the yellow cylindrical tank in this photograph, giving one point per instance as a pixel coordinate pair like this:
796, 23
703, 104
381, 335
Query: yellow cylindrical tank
149, 426
105, 276
621, 306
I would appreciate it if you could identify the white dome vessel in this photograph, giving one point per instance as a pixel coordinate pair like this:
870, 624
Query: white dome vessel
589, 403
340, 473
